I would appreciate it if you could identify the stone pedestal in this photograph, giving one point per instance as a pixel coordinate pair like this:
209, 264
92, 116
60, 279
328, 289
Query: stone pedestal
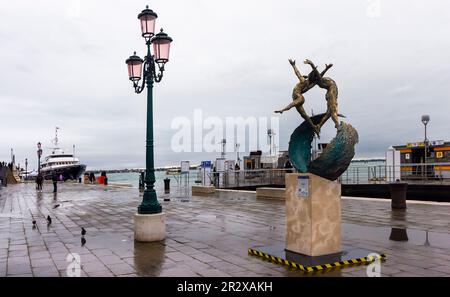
149, 227
313, 215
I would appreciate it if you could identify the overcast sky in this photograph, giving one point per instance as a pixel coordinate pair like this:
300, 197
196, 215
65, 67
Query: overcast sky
62, 64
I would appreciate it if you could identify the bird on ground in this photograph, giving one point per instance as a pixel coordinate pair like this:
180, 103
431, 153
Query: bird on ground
56, 206
34, 224
83, 241
83, 231
49, 220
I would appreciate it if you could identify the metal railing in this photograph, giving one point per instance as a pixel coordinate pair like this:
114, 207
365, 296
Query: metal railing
244, 178
413, 173
356, 174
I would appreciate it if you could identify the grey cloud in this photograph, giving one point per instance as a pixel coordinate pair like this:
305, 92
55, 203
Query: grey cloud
228, 58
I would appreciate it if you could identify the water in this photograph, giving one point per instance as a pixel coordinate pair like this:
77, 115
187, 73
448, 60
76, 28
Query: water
363, 171
356, 171
132, 178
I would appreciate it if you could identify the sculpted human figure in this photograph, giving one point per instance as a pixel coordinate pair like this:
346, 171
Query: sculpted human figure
305, 84
338, 154
331, 95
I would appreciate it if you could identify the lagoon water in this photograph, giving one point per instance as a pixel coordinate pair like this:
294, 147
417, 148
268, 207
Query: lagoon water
360, 171
132, 178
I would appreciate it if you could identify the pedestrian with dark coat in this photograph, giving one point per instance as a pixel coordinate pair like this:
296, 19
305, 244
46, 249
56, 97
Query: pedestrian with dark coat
92, 177
288, 165
39, 181
55, 183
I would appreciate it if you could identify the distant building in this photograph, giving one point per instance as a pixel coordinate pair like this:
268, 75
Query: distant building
253, 161
283, 158
411, 158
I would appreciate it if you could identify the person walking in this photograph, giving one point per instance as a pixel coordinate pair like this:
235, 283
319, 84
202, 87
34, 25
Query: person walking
288, 166
55, 183
237, 168
92, 177
39, 181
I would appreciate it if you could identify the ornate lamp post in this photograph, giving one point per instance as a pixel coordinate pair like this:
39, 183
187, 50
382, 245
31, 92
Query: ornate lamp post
39, 154
150, 69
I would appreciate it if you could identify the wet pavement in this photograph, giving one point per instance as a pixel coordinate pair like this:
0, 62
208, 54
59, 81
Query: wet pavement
206, 235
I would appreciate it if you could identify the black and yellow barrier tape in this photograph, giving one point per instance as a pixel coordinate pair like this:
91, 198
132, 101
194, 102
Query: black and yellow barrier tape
281, 261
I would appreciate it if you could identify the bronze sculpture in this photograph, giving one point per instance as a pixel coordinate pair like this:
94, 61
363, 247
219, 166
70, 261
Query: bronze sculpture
305, 84
337, 156
331, 96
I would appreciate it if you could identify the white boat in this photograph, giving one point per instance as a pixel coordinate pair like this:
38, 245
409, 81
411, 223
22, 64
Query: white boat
61, 164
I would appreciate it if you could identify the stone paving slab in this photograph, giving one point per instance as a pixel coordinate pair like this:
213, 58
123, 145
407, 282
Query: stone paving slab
206, 236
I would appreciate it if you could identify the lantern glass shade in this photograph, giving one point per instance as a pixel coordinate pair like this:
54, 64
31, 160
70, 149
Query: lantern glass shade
134, 71
161, 47
147, 18
134, 64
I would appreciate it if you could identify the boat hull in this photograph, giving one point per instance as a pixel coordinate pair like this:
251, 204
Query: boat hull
71, 172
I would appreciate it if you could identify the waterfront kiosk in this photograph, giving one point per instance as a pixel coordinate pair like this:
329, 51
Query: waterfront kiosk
412, 160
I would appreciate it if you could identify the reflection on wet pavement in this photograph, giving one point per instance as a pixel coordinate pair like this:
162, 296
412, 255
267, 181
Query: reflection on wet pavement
206, 235
398, 234
148, 258
383, 235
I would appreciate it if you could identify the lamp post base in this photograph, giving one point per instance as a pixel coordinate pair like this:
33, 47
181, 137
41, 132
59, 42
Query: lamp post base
149, 227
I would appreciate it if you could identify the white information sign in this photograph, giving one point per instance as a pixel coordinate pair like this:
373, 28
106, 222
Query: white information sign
303, 186
220, 165
185, 166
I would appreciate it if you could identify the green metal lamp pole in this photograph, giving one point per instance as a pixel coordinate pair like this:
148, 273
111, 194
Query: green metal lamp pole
150, 202
161, 45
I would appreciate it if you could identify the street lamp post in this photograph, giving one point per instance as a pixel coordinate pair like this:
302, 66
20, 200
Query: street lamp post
270, 133
136, 65
237, 145
425, 121
223, 142
39, 154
